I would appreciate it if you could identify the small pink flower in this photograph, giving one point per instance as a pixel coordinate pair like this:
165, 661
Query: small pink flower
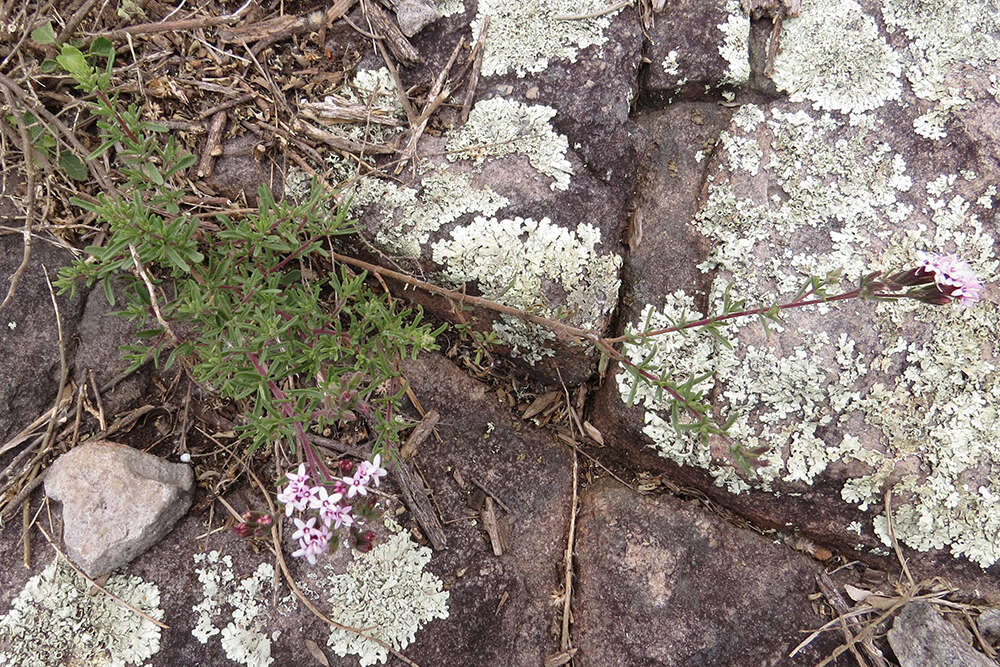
326, 504
296, 495
373, 471
954, 278
312, 541
342, 516
356, 484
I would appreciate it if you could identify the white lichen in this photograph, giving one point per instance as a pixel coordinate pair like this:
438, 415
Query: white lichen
941, 37
498, 127
388, 592
734, 47
450, 7
243, 638
55, 620
409, 216
670, 65
833, 55
525, 36
534, 265
900, 386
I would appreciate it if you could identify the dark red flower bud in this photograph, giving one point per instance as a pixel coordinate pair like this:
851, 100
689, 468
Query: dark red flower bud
242, 529
345, 466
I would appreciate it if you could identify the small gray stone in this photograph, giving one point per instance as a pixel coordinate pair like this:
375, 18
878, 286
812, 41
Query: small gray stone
413, 15
989, 625
921, 637
117, 502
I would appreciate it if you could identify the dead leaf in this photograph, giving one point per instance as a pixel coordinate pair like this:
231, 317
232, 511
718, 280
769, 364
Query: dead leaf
316, 652
540, 404
594, 434
856, 594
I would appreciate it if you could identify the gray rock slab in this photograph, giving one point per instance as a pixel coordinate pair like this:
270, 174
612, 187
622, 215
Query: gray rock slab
920, 637
662, 582
989, 625
29, 341
117, 502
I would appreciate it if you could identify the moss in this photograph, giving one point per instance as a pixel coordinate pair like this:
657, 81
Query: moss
56, 620
827, 389
499, 127
242, 638
534, 265
524, 36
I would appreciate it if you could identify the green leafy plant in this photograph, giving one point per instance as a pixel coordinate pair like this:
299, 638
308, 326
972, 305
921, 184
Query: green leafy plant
263, 315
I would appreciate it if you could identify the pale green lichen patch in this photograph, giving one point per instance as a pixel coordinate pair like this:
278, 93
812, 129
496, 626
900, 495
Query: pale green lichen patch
450, 7
243, 637
534, 265
388, 592
897, 391
941, 36
525, 36
735, 44
743, 152
409, 216
833, 55
55, 619
499, 127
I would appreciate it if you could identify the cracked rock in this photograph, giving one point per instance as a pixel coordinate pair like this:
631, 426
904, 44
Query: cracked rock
117, 502
920, 636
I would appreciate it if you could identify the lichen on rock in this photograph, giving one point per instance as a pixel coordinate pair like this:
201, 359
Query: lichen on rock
534, 265
387, 591
499, 127
243, 638
833, 55
524, 36
56, 620
895, 391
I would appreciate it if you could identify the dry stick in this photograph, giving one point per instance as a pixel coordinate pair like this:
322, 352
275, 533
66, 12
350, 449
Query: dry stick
63, 369
389, 32
212, 144
477, 65
564, 638
276, 543
594, 14
339, 143
29, 209
152, 296
96, 585
207, 113
847, 625
400, 93
38, 110
892, 535
567, 332
437, 95
175, 26
26, 534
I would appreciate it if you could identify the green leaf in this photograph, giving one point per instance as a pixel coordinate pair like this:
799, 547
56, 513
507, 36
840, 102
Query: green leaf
44, 34
102, 47
73, 166
151, 172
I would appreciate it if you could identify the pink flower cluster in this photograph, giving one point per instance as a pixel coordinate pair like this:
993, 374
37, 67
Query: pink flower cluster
299, 494
953, 277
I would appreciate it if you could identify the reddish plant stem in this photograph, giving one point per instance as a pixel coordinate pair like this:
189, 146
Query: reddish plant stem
312, 459
121, 121
743, 313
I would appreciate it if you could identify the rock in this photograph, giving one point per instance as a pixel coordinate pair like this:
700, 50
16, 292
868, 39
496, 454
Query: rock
501, 607
697, 48
989, 625
843, 401
524, 203
29, 366
413, 15
244, 166
99, 352
660, 581
920, 636
117, 502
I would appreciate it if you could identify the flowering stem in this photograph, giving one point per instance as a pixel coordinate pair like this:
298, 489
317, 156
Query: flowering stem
743, 313
311, 457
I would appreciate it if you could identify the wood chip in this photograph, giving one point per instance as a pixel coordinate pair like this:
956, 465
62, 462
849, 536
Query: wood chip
489, 518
